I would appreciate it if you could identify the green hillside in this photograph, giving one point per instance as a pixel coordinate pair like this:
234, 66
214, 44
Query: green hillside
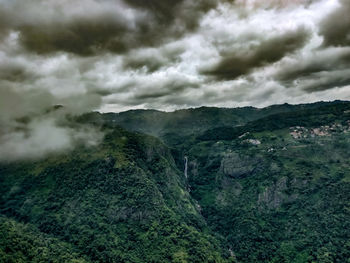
279, 195
124, 201
192, 121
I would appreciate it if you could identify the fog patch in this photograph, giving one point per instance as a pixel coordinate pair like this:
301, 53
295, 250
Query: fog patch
44, 136
31, 126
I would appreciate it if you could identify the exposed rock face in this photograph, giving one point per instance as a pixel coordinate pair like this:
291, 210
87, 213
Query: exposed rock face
238, 166
274, 196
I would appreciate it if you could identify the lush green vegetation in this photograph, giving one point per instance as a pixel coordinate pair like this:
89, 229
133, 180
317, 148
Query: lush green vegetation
293, 206
24, 243
264, 185
307, 117
122, 202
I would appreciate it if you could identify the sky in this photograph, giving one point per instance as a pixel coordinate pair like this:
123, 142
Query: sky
116, 55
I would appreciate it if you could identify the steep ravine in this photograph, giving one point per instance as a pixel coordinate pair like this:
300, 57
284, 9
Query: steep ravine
124, 201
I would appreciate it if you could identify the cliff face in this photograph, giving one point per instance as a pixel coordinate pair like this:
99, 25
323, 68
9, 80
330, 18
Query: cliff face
237, 166
274, 196
283, 199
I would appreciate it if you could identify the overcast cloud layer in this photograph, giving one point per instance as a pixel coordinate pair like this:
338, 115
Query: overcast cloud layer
114, 55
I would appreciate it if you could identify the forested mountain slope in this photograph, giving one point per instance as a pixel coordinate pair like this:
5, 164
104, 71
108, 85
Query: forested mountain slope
183, 123
276, 183
261, 185
124, 201
278, 193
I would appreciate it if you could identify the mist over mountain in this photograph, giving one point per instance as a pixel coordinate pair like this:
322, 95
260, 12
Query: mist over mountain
117, 55
174, 131
217, 185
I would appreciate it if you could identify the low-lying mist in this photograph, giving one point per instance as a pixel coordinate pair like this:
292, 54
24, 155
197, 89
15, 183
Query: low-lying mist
31, 126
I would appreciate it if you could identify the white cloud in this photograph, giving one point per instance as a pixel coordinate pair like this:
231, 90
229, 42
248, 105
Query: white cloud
42, 136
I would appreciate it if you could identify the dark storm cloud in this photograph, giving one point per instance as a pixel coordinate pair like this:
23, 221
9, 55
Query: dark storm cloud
321, 70
316, 62
335, 28
275, 4
169, 11
170, 87
80, 37
326, 80
241, 62
99, 26
153, 94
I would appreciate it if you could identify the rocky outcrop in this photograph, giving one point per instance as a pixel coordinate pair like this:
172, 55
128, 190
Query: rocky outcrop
238, 166
274, 196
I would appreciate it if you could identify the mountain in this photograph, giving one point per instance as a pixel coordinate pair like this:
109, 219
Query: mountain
124, 201
278, 188
173, 127
217, 185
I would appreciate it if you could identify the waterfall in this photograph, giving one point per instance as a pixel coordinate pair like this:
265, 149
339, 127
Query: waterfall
185, 171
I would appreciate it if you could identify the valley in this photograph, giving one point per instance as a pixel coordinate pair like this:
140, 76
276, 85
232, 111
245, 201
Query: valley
196, 185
